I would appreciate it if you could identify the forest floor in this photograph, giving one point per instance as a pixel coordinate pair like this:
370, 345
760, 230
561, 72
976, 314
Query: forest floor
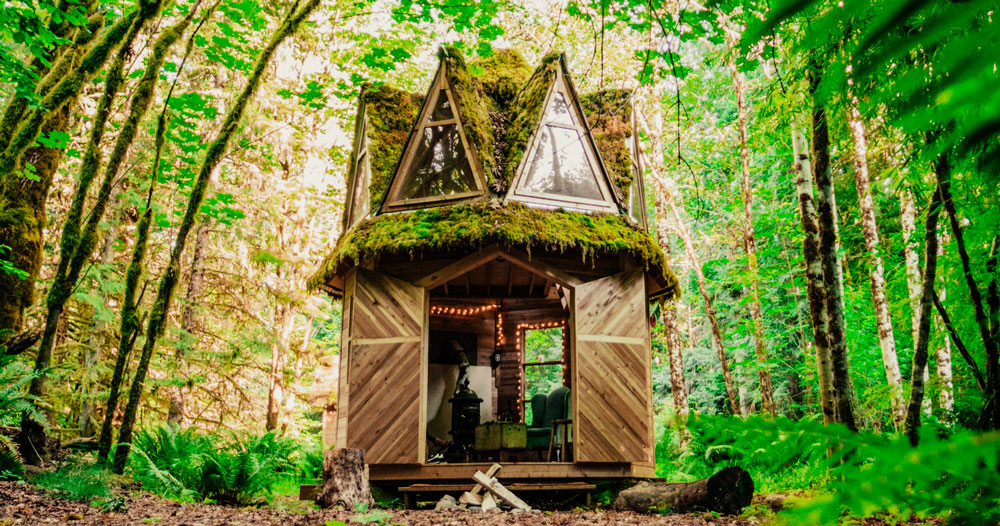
24, 504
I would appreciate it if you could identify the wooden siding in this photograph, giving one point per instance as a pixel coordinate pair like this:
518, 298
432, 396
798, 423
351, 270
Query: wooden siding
385, 370
613, 377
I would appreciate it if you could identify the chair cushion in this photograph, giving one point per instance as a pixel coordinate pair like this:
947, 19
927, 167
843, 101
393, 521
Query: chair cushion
538, 410
556, 406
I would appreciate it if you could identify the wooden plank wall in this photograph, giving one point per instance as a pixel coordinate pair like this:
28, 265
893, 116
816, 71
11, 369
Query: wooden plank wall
387, 333
613, 379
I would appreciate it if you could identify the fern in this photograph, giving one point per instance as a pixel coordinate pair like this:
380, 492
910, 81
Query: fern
861, 473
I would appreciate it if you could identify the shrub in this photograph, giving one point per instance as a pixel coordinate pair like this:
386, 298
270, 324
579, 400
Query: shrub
14, 377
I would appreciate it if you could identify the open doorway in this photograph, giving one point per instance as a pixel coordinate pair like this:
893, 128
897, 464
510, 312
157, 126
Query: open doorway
498, 347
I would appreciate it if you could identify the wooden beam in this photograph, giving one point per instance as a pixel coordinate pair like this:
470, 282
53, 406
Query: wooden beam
489, 276
548, 286
468, 285
510, 277
531, 284
536, 266
461, 266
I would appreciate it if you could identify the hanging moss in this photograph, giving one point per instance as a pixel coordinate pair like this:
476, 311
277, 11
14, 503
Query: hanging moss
391, 115
609, 114
468, 227
473, 110
525, 113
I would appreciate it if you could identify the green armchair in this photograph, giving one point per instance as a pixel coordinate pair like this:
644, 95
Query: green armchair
546, 409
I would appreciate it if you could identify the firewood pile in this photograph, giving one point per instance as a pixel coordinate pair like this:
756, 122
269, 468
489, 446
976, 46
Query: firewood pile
487, 495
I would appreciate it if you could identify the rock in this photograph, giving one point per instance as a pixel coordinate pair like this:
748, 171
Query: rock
75, 516
775, 501
446, 503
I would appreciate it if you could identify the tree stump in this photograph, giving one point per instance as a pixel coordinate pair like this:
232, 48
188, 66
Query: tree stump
728, 492
345, 479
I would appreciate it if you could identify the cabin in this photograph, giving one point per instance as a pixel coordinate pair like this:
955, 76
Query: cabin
496, 274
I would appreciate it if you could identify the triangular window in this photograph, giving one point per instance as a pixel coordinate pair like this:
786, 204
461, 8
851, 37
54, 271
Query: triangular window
561, 168
437, 163
359, 200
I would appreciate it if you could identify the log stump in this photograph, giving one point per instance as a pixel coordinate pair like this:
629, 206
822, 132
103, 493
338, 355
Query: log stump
345, 480
728, 492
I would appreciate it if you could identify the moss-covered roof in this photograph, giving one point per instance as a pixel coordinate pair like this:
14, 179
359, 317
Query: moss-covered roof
500, 103
473, 226
609, 114
391, 114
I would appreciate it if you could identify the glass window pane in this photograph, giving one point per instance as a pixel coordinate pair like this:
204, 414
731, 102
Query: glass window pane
442, 108
558, 110
541, 379
360, 200
543, 345
439, 166
636, 200
560, 166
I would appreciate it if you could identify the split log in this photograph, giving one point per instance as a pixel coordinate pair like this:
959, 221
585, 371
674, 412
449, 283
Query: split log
728, 492
495, 487
345, 479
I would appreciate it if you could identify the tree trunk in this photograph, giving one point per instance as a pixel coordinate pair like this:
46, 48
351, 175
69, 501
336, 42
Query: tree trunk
883, 322
189, 321
908, 218
685, 235
913, 409
283, 323
345, 480
832, 276
671, 332
815, 286
750, 247
95, 351
728, 492
168, 283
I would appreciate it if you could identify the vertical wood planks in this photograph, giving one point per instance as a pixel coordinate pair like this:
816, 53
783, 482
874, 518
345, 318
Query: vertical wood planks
613, 421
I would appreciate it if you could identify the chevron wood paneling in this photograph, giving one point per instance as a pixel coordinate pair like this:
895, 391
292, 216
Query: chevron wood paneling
613, 378
387, 317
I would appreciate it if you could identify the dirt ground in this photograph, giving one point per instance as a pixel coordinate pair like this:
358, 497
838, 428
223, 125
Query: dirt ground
23, 504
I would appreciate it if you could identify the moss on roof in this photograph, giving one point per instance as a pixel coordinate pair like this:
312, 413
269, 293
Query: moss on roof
473, 109
472, 226
525, 113
609, 114
391, 113
502, 76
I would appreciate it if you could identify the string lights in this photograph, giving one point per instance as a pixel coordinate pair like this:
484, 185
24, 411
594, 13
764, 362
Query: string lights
462, 311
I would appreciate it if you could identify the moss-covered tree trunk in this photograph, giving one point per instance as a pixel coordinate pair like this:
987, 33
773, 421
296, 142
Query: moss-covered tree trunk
76, 243
913, 408
168, 283
815, 286
832, 275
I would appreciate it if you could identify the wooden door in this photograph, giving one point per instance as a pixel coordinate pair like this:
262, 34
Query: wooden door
385, 369
613, 382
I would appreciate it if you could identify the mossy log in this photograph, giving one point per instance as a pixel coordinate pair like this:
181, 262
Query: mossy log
345, 479
728, 492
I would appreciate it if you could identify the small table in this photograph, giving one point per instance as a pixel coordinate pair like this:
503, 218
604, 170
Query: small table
504, 440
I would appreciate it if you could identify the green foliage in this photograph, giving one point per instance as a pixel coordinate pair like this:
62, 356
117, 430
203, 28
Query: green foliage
7, 267
954, 475
14, 401
236, 470
78, 480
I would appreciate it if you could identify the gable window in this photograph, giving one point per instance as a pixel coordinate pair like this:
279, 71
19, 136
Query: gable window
563, 168
437, 165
